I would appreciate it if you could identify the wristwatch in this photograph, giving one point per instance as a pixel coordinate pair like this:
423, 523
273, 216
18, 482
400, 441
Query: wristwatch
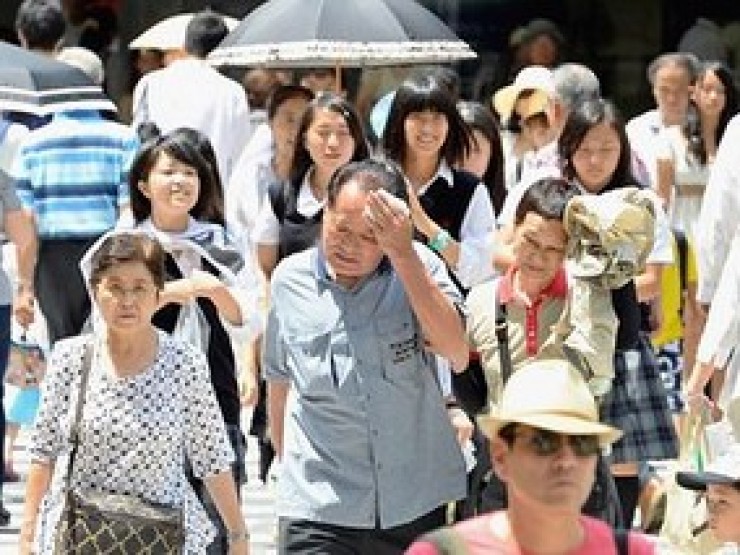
440, 241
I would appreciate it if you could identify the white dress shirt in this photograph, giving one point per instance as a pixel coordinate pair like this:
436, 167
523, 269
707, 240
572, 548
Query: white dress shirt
718, 219
190, 93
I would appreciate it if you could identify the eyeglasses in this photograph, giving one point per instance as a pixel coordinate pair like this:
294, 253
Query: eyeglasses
138, 293
548, 251
545, 443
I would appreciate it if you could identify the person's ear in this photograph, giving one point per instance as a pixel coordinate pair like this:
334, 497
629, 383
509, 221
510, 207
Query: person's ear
499, 457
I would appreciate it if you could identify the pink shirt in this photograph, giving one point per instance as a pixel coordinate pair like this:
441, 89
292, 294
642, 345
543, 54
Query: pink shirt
478, 538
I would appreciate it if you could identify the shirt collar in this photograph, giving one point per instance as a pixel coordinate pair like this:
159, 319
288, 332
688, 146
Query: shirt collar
557, 289
444, 171
326, 276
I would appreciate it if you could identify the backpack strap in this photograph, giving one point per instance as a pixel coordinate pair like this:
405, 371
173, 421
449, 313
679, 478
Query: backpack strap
276, 194
621, 541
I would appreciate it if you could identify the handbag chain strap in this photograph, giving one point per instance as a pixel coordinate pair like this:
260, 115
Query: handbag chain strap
75, 428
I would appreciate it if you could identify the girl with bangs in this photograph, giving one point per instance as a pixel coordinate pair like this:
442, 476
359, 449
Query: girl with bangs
451, 209
452, 213
209, 297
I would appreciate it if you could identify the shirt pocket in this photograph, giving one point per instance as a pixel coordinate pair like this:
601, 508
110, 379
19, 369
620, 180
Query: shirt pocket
322, 363
400, 348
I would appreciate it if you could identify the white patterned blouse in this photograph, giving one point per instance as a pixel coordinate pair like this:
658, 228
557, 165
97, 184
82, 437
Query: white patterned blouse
135, 433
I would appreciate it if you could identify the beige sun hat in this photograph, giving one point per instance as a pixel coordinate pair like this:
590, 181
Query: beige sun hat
550, 395
535, 78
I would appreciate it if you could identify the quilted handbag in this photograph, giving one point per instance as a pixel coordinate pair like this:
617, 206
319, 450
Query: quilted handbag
95, 522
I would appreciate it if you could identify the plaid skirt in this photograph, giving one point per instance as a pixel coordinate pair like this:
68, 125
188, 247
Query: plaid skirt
637, 404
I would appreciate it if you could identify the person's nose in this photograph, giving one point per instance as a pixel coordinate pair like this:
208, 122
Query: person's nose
332, 141
566, 456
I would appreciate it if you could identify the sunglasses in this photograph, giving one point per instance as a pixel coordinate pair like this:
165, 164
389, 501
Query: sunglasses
545, 443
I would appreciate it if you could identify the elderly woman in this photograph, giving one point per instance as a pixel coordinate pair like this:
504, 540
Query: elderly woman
148, 406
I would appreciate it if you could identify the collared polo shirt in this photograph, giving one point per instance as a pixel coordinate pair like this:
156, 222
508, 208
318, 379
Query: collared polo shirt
367, 440
73, 174
528, 326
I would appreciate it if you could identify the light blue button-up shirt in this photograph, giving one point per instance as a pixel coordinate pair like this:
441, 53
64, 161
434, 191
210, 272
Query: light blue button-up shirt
367, 439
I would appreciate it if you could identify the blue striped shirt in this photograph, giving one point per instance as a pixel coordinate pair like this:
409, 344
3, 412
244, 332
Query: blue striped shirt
73, 174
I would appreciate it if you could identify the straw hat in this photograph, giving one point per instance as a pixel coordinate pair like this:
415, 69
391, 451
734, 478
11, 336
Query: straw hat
550, 395
536, 78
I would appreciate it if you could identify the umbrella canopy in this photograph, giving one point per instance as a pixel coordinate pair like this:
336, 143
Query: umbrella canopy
329, 33
169, 34
35, 84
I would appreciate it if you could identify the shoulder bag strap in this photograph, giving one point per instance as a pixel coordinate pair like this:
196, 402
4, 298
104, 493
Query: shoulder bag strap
621, 541
276, 195
502, 337
75, 429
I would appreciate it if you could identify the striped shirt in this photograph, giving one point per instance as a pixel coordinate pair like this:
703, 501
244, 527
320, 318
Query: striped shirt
73, 174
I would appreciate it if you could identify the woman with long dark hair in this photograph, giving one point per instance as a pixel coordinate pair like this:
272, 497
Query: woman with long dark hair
597, 158
486, 156
686, 152
330, 134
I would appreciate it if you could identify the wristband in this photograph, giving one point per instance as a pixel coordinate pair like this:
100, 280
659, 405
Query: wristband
440, 241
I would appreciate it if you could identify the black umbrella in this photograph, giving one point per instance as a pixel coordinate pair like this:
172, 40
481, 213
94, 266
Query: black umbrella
333, 33
40, 85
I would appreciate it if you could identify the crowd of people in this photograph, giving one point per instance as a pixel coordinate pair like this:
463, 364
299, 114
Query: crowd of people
502, 314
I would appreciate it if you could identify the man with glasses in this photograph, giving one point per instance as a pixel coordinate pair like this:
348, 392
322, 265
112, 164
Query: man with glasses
545, 439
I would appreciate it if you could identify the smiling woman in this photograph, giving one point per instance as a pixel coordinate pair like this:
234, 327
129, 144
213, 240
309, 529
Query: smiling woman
209, 298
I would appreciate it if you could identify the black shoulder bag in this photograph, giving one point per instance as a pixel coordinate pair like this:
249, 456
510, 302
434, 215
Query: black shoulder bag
99, 522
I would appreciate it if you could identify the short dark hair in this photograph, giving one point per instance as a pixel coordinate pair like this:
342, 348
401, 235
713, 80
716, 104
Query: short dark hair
581, 120
546, 197
418, 94
182, 145
283, 93
372, 174
204, 33
41, 23
684, 60
129, 246
325, 101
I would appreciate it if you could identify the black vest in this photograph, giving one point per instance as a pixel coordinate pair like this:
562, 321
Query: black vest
447, 205
297, 233
220, 355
